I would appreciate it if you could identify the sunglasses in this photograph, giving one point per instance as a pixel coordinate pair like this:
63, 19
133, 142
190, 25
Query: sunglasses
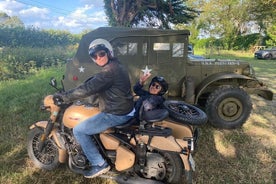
98, 54
157, 86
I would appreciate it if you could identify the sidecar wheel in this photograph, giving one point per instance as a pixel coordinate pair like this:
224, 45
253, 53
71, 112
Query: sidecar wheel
185, 113
47, 158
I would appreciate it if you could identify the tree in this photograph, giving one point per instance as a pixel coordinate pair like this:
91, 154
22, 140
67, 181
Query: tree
231, 19
148, 13
225, 19
10, 22
271, 33
263, 12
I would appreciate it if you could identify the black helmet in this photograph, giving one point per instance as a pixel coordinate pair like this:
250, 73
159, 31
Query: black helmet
100, 44
162, 82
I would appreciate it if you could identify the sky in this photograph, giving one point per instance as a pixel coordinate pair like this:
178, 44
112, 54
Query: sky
70, 15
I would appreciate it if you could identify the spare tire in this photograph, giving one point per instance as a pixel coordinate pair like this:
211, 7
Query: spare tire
185, 113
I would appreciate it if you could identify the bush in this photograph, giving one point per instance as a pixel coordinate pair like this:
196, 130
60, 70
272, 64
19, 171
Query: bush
22, 37
240, 43
245, 42
24, 51
208, 43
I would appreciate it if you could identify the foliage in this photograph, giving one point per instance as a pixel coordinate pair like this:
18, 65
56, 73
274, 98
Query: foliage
263, 12
149, 13
245, 42
207, 43
10, 22
271, 33
231, 20
21, 37
25, 51
16, 63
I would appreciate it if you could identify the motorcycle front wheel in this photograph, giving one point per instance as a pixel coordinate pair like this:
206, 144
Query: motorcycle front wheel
46, 157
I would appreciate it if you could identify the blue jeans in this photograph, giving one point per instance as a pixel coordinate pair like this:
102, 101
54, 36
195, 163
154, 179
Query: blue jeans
95, 125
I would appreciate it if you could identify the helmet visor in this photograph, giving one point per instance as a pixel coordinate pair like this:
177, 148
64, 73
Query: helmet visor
94, 49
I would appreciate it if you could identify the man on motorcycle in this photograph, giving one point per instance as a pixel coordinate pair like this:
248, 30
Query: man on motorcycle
113, 87
153, 98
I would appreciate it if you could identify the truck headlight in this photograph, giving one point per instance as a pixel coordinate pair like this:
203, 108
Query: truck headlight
248, 71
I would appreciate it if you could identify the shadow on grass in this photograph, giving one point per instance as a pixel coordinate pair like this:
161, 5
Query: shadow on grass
246, 155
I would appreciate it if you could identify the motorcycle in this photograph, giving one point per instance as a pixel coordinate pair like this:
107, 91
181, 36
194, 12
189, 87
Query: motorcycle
157, 149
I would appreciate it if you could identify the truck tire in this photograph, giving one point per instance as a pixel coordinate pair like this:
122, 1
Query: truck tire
228, 107
185, 113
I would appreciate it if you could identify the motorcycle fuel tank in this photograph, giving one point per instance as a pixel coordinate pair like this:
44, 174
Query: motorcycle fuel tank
78, 113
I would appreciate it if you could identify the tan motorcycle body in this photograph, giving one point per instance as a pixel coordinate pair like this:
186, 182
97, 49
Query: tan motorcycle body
125, 158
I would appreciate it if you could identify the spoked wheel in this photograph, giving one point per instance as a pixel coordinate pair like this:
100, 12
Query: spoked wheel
185, 113
45, 157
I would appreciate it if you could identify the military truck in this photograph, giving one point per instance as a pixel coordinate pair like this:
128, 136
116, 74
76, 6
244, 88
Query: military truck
221, 87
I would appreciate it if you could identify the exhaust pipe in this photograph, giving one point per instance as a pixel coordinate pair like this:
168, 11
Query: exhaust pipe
126, 179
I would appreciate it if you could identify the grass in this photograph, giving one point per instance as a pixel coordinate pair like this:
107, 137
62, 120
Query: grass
245, 156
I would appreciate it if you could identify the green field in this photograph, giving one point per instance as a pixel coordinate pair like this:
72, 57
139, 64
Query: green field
246, 155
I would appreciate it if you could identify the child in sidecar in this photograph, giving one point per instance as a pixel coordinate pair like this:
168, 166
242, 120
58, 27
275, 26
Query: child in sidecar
153, 98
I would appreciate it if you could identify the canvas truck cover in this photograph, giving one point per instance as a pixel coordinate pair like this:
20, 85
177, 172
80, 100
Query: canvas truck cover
162, 51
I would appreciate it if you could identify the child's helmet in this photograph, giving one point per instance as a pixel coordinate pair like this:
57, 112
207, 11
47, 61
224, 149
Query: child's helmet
160, 80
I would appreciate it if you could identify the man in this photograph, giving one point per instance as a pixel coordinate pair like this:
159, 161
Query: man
113, 87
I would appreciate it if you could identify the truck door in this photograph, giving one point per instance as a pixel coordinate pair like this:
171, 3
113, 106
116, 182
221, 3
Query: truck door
132, 52
167, 58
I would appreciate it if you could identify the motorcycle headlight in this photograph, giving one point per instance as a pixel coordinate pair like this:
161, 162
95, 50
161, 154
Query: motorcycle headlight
47, 103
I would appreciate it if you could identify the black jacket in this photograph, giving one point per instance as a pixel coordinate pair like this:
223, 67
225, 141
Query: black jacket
153, 101
113, 87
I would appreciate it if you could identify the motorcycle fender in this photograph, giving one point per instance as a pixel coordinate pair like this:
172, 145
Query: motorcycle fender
165, 143
109, 142
172, 144
41, 124
61, 148
124, 158
185, 160
179, 130
184, 157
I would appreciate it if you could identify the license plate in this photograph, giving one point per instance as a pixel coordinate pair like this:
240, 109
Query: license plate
192, 162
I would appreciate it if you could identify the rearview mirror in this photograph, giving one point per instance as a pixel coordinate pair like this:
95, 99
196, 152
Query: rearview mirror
53, 82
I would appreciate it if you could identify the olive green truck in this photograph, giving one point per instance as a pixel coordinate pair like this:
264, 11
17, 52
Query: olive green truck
221, 87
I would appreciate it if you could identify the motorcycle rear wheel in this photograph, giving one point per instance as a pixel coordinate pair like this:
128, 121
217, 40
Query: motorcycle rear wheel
47, 158
164, 166
174, 167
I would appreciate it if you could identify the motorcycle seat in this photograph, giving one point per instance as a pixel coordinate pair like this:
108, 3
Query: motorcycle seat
156, 131
130, 122
147, 116
154, 115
